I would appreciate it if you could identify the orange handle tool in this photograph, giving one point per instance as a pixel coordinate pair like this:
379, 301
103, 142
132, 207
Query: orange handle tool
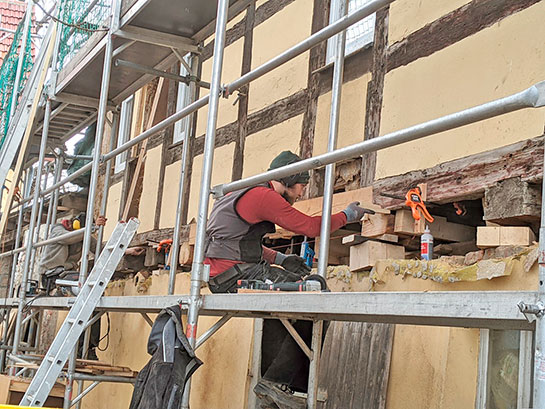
164, 244
415, 202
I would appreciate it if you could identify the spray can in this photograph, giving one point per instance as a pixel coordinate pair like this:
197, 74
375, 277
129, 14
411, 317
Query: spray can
426, 245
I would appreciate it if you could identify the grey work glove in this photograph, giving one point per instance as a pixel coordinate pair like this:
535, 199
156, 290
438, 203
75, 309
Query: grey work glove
292, 263
354, 212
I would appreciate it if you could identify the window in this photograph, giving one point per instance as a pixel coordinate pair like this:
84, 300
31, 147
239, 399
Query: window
183, 100
358, 35
505, 369
125, 121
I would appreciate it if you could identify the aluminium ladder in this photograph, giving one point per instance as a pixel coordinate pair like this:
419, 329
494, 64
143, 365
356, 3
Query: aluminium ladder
77, 319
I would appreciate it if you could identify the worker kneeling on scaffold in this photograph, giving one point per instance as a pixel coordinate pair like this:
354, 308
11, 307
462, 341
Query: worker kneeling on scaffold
61, 259
239, 221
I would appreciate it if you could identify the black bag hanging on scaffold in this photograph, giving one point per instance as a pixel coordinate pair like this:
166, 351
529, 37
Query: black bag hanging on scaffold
160, 384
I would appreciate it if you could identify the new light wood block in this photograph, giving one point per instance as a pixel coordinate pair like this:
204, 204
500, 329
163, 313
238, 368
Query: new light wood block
353, 239
192, 233
441, 229
365, 255
186, 254
494, 236
374, 225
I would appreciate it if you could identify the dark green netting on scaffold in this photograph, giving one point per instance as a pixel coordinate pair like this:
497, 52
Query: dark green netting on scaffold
80, 20
8, 75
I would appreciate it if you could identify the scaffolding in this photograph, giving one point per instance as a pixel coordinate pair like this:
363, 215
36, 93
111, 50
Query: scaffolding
134, 28
14, 73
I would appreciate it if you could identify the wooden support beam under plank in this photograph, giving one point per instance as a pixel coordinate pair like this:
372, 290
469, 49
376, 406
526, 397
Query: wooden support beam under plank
365, 255
441, 229
495, 236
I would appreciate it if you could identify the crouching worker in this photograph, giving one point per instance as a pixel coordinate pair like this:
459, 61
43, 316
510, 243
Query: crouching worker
62, 257
238, 222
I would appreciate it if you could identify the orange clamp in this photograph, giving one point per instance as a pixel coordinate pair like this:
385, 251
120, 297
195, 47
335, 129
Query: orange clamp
164, 244
415, 202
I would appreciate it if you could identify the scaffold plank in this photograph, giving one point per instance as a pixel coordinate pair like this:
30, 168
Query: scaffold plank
472, 309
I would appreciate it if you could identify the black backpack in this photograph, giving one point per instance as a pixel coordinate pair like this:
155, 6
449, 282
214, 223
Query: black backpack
160, 384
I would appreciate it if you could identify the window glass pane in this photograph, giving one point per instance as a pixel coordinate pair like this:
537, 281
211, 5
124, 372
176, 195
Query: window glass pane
357, 35
503, 369
182, 101
125, 121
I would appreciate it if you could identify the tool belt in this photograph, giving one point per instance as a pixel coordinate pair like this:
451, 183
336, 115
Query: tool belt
226, 282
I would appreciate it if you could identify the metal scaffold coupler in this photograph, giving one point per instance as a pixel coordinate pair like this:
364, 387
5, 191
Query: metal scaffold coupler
532, 311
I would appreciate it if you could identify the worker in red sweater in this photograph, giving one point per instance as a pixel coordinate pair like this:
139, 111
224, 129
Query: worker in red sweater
241, 219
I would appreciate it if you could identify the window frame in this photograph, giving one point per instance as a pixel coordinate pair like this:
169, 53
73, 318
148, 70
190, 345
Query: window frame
352, 44
124, 133
183, 99
524, 389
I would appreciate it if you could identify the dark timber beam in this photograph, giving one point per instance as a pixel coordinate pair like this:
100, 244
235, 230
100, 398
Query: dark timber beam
467, 178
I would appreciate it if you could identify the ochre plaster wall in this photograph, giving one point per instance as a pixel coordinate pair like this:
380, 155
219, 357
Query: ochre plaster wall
263, 146
218, 384
352, 118
170, 195
221, 173
227, 112
407, 16
112, 209
286, 28
498, 61
150, 187
435, 367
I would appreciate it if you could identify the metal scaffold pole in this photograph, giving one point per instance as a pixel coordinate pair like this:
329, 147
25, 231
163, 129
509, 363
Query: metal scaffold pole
325, 229
107, 177
47, 168
182, 188
53, 204
101, 122
11, 290
338, 71
33, 217
22, 52
539, 353
204, 194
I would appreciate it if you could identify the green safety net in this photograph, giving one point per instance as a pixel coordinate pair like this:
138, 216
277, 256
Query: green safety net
8, 73
81, 19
